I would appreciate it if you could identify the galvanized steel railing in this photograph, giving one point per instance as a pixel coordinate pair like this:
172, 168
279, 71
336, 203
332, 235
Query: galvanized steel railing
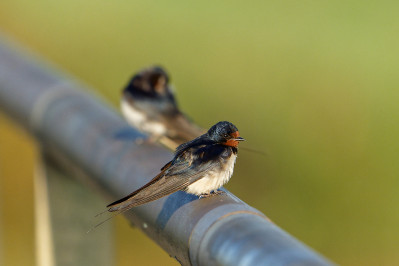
79, 131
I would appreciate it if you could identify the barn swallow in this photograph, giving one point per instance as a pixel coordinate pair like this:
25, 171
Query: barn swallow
148, 103
199, 167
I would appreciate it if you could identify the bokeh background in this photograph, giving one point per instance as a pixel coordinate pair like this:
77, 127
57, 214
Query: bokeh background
314, 84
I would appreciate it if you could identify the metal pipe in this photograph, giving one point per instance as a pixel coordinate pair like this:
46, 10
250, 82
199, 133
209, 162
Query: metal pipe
77, 128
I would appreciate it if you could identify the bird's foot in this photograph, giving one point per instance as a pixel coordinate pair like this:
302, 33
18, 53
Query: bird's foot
204, 196
217, 192
212, 193
139, 141
146, 141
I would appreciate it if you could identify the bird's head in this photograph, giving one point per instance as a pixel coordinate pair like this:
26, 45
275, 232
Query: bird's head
225, 133
151, 81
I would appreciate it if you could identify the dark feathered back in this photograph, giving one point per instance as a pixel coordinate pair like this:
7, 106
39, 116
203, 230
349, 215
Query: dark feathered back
214, 135
201, 140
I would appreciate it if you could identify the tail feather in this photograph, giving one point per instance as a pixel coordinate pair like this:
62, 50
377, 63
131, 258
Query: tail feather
121, 202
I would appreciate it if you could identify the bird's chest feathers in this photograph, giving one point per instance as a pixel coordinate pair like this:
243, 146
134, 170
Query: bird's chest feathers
214, 179
140, 120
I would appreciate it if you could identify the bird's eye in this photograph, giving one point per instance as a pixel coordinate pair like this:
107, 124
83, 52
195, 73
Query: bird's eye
226, 135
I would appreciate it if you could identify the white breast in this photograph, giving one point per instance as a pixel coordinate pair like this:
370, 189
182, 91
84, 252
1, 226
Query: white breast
139, 120
214, 179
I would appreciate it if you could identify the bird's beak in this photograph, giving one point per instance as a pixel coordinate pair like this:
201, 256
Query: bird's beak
239, 139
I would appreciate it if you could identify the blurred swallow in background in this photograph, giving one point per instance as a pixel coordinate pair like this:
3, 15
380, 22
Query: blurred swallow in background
199, 167
148, 104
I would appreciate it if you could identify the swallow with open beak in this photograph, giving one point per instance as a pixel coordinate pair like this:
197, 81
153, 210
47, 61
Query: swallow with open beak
199, 167
149, 104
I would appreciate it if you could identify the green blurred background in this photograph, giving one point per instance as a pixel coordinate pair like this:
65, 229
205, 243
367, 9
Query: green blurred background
312, 83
